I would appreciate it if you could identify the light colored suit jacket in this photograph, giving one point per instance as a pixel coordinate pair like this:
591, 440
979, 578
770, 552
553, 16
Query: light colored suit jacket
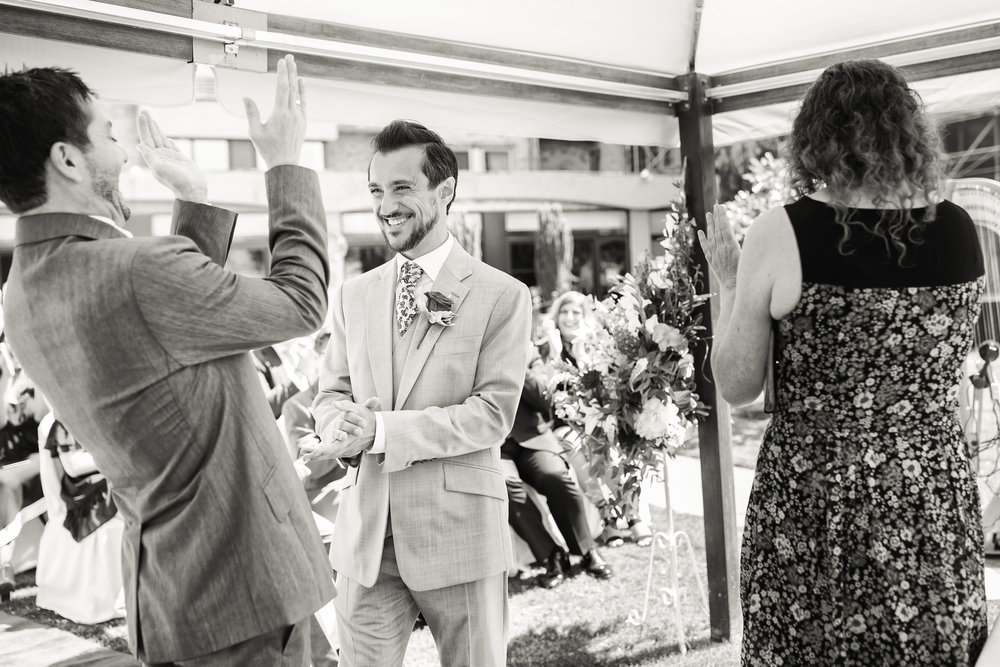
440, 474
140, 345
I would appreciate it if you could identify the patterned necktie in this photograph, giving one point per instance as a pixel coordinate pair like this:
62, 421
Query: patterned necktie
406, 307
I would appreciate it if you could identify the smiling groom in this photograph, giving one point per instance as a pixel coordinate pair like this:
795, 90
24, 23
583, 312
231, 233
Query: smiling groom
418, 390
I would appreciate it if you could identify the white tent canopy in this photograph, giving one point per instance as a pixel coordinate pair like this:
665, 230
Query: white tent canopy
543, 68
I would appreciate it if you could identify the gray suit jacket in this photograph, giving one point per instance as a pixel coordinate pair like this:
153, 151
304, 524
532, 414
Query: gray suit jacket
455, 404
140, 345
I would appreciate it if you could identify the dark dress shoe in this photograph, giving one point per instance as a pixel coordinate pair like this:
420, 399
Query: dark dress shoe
556, 567
6, 582
595, 566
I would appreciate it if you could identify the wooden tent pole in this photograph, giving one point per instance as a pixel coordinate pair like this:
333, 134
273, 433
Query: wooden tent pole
715, 432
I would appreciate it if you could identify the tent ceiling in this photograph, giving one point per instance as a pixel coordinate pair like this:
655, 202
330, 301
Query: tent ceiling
552, 68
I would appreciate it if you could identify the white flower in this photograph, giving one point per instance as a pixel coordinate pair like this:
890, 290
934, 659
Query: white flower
659, 280
937, 324
666, 336
656, 419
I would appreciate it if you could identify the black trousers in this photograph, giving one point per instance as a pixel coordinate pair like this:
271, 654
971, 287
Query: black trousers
549, 474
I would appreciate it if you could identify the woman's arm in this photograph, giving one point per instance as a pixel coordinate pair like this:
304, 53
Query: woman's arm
745, 281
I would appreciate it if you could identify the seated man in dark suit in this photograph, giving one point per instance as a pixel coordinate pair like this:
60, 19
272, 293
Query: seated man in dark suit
21, 408
537, 455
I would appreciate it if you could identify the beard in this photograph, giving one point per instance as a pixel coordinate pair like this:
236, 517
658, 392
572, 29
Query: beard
105, 186
422, 226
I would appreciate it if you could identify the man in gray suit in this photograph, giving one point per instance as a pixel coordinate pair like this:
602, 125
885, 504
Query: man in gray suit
141, 346
418, 388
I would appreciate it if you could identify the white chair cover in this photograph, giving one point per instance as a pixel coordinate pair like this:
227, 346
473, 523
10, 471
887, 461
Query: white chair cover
81, 581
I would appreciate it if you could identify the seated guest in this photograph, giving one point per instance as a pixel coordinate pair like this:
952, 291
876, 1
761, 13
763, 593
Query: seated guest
536, 453
79, 573
277, 383
300, 429
562, 337
19, 483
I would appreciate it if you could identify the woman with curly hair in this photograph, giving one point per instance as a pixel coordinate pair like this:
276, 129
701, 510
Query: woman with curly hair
863, 537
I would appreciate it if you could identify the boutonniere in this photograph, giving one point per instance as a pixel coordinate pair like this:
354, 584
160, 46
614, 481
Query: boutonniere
437, 308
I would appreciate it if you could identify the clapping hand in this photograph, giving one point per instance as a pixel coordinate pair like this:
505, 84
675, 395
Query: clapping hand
279, 140
720, 246
169, 165
349, 434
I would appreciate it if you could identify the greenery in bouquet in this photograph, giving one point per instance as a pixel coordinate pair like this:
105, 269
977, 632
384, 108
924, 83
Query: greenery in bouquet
631, 395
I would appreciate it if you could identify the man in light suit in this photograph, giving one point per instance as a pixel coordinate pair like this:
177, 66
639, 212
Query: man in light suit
418, 388
141, 345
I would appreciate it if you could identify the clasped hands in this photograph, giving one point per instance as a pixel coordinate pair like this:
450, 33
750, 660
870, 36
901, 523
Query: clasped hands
348, 435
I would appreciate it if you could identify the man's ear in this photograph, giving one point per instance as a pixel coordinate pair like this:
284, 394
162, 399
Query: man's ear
68, 161
446, 190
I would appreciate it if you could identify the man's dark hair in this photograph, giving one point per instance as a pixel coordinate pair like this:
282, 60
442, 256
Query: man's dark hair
38, 107
439, 160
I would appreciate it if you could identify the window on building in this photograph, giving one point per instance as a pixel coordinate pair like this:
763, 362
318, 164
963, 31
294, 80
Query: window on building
522, 260
496, 161
556, 154
242, 154
597, 260
463, 160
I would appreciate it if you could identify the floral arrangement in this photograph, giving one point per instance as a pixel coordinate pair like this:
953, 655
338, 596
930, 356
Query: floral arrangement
631, 397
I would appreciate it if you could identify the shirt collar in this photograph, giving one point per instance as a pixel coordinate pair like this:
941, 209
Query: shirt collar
431, 262
111, 222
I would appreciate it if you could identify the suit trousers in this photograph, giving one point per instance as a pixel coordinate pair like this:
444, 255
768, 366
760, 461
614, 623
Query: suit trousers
287, 646
523, 514
468, 621
549, 473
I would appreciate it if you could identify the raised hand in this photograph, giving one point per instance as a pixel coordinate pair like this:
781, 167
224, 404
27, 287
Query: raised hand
169, 165
279, 140
720, 246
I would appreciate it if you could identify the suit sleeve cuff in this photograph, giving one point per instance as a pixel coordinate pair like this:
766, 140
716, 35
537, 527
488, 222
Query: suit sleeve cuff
378, 447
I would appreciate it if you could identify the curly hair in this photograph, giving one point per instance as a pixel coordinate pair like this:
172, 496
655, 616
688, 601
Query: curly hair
862, 128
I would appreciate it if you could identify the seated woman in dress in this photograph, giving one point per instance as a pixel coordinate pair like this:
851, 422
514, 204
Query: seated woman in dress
79, 572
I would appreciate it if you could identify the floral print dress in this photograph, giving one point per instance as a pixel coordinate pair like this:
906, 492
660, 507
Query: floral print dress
863, 537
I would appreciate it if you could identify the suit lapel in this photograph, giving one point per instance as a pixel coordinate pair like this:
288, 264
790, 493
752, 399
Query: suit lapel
378, 330
449, 281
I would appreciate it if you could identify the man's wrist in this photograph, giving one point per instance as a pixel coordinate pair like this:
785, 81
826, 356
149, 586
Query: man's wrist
195, 195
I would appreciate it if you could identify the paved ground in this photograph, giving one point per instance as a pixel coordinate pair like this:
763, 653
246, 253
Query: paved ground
25, 643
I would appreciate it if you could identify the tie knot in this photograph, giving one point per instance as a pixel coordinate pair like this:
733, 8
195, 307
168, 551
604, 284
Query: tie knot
410, 272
